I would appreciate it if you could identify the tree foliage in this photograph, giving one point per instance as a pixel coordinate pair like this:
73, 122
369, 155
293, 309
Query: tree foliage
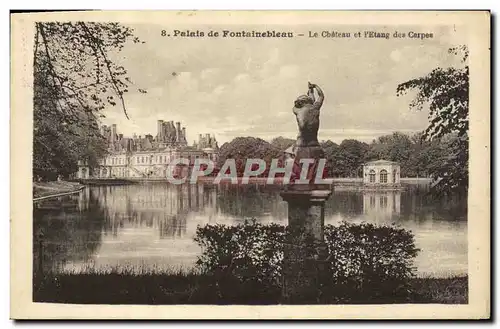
243, 148
417, 156
74, 79
445, 91
349, 159
282, 143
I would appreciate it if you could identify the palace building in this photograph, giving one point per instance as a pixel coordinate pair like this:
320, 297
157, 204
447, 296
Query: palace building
148, 156
381, 173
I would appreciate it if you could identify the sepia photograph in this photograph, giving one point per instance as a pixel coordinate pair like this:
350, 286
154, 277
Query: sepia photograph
257, 159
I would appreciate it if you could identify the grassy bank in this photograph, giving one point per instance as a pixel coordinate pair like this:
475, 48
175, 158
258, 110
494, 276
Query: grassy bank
43, 189
194, 288
453, 290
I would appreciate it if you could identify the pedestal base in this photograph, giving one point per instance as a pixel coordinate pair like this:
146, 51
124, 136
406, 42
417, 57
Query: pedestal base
306, 208
304, 252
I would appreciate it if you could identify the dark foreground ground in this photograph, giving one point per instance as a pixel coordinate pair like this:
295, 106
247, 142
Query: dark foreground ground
114, 288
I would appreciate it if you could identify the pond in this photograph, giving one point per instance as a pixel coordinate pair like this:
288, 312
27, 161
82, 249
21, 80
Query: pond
152, 225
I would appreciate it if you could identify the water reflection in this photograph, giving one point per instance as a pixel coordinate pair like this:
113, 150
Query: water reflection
154, 224
66, 230
382, 205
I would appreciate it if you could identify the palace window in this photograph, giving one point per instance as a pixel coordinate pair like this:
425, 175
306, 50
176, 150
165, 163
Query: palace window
383, 176
372, 176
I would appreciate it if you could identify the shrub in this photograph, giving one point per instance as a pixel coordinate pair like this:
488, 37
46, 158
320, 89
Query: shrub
370, 262
248, 252
365, 263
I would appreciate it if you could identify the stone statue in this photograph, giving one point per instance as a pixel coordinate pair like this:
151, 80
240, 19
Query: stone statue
307, 112
305, 264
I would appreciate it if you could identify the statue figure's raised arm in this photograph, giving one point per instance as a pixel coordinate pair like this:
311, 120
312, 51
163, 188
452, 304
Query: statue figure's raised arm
318, 102
310, 92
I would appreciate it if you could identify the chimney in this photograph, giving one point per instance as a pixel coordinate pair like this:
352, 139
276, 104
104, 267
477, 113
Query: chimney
113, 132
164, 130
184, 134
120, 136
179, 132
208, 139
159, 129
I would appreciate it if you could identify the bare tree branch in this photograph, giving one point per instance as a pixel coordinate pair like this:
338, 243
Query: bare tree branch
107, 62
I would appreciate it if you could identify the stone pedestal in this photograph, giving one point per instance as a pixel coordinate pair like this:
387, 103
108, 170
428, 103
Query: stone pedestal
305, 252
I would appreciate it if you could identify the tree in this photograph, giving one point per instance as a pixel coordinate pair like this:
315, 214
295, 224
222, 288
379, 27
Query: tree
74, 79
282, 143
395, 147
243, 148
446, 92
425, 155
349, 158
330, 148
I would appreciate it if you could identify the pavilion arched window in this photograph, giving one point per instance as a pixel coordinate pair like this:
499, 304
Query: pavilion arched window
383, 176
372, 176
394, 176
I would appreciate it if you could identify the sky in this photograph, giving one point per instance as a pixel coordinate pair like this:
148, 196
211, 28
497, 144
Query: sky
246, 87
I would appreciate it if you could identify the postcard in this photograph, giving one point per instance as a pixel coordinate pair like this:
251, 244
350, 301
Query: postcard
250, 165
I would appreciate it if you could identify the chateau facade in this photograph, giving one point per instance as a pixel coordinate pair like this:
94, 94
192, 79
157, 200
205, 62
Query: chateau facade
148, 156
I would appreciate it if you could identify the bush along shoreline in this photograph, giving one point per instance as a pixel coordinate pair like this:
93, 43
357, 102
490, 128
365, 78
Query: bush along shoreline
243, 264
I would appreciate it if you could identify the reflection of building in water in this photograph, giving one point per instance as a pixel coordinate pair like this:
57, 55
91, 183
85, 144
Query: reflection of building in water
159, 206
380, 204
381, 173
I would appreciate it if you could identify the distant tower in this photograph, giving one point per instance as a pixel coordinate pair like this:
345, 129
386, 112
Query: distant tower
179, 132
184, 138
113, 132
159, 129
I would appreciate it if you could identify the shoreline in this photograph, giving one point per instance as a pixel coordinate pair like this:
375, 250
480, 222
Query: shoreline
347, 184
46, 190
